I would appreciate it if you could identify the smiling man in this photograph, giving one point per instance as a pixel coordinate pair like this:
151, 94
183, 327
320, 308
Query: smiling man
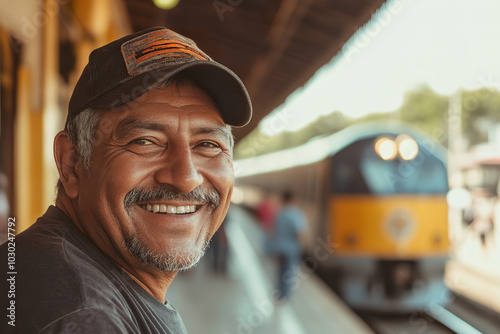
146, 176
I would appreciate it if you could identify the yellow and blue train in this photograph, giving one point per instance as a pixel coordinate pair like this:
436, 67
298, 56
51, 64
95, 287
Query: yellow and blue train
376, 194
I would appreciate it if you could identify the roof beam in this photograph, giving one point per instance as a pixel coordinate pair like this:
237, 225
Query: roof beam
285, 24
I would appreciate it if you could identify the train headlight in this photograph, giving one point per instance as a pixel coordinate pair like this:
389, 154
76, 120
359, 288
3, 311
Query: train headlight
408, 147
386, 148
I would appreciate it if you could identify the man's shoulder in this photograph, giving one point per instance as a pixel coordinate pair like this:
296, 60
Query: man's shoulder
58, 273
92, 319
52, 248
56, 255
82, 320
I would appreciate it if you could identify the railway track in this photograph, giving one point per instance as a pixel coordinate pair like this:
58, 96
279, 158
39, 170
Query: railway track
437, 321
480, 317
416, 323
460, 316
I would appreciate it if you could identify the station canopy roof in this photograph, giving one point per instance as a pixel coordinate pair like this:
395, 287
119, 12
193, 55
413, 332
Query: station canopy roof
274, 46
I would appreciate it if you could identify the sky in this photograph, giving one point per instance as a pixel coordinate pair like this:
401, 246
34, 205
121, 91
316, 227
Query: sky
446, 44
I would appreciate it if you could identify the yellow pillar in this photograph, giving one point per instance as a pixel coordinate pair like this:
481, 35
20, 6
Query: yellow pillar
51, 113
36, 125
28, 179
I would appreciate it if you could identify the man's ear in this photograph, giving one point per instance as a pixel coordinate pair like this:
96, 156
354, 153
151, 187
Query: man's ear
67, 160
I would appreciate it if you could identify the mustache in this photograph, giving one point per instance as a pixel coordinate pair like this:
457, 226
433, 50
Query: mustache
205, 195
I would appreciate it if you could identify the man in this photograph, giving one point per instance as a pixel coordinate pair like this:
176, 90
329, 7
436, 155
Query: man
146, 176
289, 230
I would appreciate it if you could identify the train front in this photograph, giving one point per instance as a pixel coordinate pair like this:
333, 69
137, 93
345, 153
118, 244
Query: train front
388, 223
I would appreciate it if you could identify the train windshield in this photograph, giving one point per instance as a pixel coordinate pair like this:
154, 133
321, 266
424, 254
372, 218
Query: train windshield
358, 169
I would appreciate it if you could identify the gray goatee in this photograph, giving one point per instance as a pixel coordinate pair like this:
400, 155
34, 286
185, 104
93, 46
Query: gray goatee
172, 260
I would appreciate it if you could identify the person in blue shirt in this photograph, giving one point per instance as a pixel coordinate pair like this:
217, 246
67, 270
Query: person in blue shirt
289, 229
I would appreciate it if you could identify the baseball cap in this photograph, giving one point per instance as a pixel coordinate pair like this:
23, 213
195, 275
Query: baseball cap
123, 70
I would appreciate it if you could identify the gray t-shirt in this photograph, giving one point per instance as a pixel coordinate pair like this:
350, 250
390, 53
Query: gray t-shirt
65, 284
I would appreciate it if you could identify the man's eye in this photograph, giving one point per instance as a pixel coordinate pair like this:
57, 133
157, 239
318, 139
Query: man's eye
208, 144
141, 141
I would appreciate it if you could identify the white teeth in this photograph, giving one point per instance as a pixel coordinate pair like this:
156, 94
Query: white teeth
163, 208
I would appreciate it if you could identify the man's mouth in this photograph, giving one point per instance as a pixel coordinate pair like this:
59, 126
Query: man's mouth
169, 209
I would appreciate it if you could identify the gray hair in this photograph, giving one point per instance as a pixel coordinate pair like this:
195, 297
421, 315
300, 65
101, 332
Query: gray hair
82, 131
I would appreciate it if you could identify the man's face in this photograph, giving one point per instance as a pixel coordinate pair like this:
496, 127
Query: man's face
168, 150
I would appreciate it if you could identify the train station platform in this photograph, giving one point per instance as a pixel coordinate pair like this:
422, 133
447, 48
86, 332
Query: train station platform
240, 301
474, 270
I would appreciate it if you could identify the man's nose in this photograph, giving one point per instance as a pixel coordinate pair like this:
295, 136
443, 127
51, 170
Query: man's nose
179, 170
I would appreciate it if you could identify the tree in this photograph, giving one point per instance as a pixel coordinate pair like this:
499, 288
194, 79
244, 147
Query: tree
428, 111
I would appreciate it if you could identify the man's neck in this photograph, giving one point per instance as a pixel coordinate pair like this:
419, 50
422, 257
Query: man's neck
159, 286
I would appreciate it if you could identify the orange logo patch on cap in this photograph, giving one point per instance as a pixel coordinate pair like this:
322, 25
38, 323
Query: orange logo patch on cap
159, 49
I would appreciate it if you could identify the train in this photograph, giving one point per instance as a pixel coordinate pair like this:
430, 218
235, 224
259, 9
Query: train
375, 193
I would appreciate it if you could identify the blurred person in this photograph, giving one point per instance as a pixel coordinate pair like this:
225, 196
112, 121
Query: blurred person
146, 177
289, 229
266, 212
496, 218
482, 224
